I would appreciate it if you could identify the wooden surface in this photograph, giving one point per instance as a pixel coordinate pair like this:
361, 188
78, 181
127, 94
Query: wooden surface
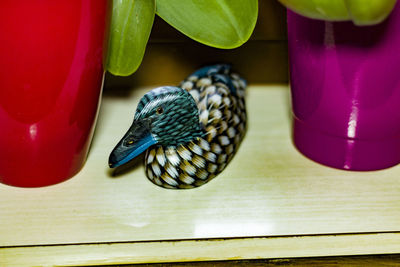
348, 261
270, 202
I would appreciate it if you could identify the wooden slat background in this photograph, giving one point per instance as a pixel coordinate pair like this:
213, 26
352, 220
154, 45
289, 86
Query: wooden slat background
170, 56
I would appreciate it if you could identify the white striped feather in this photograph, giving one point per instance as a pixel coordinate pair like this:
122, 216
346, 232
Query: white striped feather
184, 153
156, 169
171, 170
160, 156
187, 167
172, 156
168, 179
185, 178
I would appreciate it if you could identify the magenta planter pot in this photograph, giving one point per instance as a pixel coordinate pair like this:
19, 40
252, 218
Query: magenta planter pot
345, 83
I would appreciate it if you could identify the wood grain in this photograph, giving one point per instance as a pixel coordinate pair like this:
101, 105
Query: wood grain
270, 202
348, 261
199, 250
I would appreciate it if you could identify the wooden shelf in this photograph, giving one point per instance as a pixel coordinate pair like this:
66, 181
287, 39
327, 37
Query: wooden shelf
270, 202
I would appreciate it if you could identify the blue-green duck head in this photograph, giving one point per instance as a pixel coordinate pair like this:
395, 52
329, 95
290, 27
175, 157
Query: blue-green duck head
167, 116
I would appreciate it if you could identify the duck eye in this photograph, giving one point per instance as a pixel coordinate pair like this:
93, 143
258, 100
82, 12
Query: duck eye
159, 110
129, 142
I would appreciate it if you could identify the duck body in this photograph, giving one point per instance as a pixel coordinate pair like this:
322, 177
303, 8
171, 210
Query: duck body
201, 125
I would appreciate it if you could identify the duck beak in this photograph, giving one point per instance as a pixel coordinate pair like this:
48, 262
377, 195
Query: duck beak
136, 140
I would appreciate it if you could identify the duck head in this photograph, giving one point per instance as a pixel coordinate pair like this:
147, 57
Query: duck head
167, 116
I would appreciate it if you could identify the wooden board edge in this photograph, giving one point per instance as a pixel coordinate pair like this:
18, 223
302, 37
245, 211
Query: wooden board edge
201, 250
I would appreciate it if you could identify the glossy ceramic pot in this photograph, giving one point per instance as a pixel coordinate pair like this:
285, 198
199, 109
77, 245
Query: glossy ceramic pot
51, 74
345, 86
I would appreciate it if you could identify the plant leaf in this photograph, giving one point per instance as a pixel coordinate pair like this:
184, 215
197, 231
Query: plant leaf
369, 12
221, 24
130, 28
361, 12
334, 10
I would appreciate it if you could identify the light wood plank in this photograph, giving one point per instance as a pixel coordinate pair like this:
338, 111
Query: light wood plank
203, 250
269, 189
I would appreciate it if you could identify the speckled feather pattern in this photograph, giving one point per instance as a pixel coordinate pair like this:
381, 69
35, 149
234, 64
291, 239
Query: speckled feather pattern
222, 116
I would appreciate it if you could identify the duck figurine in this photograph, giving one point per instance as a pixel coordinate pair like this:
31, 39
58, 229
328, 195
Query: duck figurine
189, 133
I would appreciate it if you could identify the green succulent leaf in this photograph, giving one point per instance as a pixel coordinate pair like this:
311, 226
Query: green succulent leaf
130, 29
369, 12
319, 9
361, 12
217, 23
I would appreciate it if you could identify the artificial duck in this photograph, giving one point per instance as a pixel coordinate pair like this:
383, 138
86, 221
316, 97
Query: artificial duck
189, 133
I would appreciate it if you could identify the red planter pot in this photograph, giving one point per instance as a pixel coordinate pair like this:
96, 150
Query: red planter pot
51, 75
